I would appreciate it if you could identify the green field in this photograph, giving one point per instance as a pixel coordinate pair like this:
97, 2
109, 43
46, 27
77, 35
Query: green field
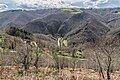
71, 9
70, 58
1, 40
117, 13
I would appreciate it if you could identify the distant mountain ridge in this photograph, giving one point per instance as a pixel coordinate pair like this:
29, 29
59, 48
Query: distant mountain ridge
22, 17
84, 26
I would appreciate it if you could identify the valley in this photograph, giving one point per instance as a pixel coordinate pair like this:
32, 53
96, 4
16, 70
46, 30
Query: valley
60, 44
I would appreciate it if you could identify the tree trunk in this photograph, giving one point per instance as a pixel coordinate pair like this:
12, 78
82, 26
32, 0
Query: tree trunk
109, 68
100, 67
108, 74
36, 63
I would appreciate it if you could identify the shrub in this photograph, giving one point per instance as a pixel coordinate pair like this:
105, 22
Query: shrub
13, 31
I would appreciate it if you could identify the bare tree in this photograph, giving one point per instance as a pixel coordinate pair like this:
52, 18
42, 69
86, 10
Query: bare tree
56, 59
24, 56
100, 65
105, 49
36, 52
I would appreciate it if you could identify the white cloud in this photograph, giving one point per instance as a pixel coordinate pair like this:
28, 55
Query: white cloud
73, 1
57, 3
38, 4
94, 3
41, 3
89, 3
3, 7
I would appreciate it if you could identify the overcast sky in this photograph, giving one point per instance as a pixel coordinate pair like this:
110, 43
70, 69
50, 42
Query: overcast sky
38, 4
